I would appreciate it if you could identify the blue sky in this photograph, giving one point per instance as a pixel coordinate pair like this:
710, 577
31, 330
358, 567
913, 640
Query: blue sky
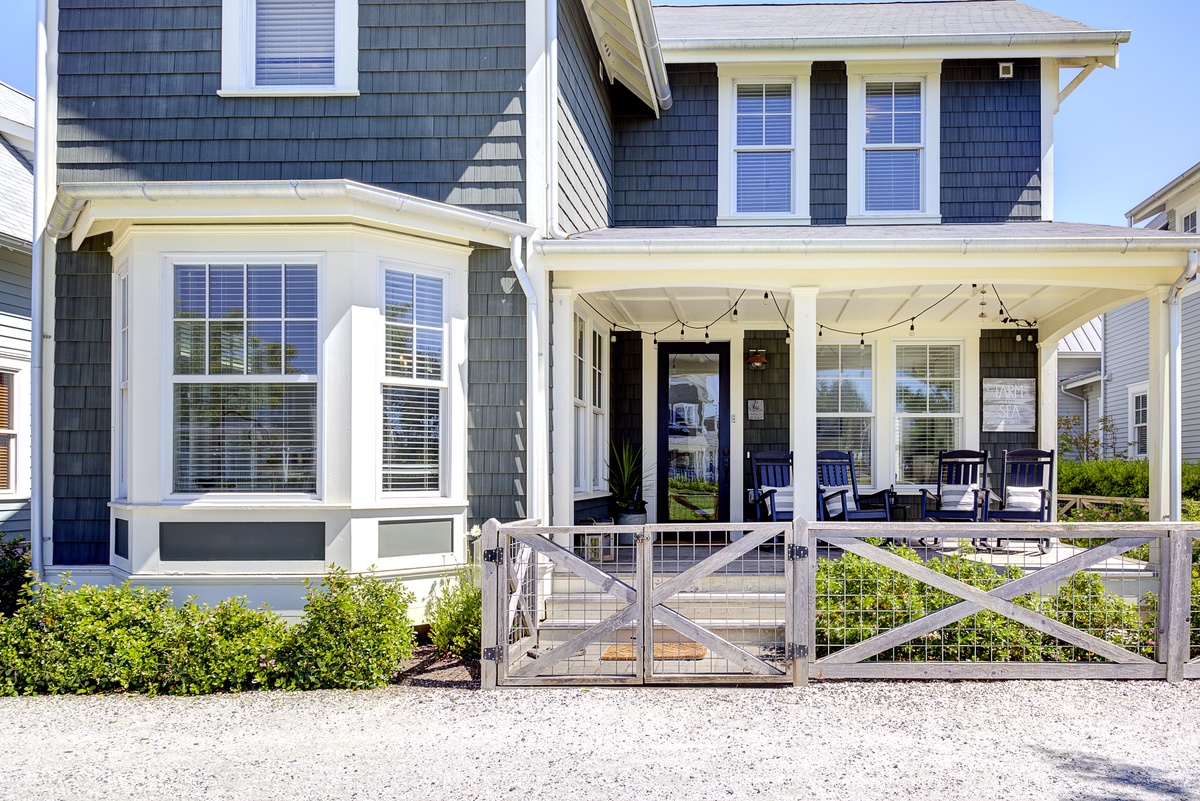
1120, 136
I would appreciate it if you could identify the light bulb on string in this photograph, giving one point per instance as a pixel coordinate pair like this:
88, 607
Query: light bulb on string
1018, 337
912, 327
705, 333
682, 331
766, 297
820, 330
656, 341
862, 341
735, 316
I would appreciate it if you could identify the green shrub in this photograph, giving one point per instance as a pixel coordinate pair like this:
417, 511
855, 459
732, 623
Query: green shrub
1125, 513
455, 615
354, 633
14, 574
1119, 478
226, 648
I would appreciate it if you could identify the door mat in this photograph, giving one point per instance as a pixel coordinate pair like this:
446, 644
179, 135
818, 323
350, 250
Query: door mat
627, 652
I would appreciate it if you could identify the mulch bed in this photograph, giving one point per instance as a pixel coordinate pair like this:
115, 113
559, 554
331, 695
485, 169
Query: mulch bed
428, 668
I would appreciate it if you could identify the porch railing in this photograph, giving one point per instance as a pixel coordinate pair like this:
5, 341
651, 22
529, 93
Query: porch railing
790, 602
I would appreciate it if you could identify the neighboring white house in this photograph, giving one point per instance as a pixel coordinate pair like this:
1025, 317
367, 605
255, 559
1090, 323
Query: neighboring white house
1126, 346
1080, 365
16, 230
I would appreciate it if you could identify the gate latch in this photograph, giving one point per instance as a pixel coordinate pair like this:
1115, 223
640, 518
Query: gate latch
797, 552
491, 654
796, 651
494, 555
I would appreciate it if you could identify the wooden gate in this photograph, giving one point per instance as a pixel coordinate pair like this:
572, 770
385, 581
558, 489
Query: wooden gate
675, 604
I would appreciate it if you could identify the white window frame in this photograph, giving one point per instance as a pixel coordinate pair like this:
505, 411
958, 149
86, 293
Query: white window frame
1136, 391
121, 400
872, 416
238, 57
1188, 223
898, 417
929, 75
169, 380
729, 76
443, 385
589, 474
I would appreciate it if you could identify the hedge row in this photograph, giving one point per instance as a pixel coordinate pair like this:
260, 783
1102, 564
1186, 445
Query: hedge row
1119, 478
353, 634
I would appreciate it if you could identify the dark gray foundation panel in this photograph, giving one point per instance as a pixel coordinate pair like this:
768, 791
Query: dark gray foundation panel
415, 537
241, 542
121, 537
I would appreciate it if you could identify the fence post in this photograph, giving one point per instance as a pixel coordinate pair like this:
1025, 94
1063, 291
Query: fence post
644, 547
1177, 601
490, 634
803, 601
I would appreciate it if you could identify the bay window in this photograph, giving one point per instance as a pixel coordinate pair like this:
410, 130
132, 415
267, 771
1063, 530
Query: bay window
929, 408
245, 354
415, 382
845, 406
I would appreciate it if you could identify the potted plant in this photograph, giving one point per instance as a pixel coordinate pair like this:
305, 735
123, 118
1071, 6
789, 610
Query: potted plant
625, 485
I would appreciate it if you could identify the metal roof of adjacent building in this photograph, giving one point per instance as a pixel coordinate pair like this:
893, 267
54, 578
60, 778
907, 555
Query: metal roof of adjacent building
846, 20
1086, 340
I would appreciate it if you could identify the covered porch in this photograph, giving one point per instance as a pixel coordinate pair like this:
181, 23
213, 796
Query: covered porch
705, 346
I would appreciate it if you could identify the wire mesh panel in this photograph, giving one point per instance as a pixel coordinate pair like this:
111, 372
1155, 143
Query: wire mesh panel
569, 608
1194, 607
717, 603
1015, 595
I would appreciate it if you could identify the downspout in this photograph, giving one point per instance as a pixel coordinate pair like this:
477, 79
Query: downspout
41, 161
535, 442
1175, 385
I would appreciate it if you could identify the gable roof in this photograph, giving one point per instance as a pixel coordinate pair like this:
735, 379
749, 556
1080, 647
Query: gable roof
16, 173
825, 24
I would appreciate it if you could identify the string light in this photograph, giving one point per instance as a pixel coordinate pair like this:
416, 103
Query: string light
735, 317
912, 327
911, 321
820, 330
766, 296
705, 333
862, 341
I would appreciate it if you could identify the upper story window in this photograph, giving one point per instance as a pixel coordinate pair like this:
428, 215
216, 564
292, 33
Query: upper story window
289, 47
245, 342
893, 141
764, 134
415, 381
1189, 223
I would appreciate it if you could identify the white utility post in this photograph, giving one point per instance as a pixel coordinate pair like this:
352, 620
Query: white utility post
562, 476
804, 401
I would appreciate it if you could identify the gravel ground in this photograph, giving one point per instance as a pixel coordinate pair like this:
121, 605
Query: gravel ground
1081, 741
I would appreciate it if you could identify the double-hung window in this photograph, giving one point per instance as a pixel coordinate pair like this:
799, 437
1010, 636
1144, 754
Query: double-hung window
1139, 421
289, 47
415, 382
929, 408
1189, 223
590, 400
245, 342
845, 407
894, 138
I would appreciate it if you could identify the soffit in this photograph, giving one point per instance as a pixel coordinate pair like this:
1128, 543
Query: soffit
614, 25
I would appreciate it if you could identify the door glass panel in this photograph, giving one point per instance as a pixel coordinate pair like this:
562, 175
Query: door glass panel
694, 437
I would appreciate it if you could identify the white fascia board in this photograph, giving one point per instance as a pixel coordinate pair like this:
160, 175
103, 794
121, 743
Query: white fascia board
682, 51
17, 133
1078, 381
102, 204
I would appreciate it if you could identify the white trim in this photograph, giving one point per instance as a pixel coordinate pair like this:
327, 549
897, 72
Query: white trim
594, 485
238, 61
20, 444
1132, 392
1049, 98
799, 76
929, 75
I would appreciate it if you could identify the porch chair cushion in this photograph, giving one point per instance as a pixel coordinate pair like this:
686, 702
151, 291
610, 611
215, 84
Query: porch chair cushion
834, 497
1023, 499
959, 498
784, 501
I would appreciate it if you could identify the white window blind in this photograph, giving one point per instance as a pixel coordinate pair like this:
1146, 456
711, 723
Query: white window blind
245, 402
892, 160
764, 148
414, 387
294, 42
590, 428
928, 408
845, 411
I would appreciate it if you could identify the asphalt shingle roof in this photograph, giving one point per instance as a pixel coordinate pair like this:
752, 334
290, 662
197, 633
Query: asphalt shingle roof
838, 20
16, 106
16, 174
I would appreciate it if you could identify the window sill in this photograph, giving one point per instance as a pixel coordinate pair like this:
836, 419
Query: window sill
749, 219
289, 91
895, 219
591, 496
231, 503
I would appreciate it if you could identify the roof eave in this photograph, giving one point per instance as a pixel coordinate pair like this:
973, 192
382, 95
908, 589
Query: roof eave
1157, 203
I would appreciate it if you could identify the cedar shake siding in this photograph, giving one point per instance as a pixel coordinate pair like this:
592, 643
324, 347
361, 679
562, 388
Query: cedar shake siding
827, 151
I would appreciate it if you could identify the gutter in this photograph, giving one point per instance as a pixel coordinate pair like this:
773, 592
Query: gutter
16, 244
651, 247
648, 30
1097, 38
73, 198
533, 356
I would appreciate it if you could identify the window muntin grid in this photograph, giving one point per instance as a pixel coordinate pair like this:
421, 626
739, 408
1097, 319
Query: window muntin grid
763, 148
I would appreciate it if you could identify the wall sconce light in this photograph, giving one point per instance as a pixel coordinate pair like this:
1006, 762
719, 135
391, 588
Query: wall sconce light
757, 360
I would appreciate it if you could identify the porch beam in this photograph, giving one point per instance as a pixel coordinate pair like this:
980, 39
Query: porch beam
1048, 408
804, 401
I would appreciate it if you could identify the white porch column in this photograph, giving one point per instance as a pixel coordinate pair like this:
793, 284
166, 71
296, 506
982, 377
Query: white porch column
562, 476
804, 401
1158, 429
1048, 409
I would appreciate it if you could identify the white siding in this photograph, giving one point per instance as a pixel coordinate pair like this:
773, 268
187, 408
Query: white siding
1191, 378
14, 303
1127, 361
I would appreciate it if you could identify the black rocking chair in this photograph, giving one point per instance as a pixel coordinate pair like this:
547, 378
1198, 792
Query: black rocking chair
962, 493
1026, 490
837, 491
771, 493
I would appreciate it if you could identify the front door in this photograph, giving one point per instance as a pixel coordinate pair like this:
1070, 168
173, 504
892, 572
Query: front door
693, 432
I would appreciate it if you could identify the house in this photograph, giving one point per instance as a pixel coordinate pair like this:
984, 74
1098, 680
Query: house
333, 282
1080, 366
1126, 371
16, 247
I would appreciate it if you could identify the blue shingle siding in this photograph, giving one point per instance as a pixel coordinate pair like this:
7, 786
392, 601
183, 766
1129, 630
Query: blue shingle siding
496, 400
625, 389
1001, 356
441, 111
772, 385
666, 169
585, 137
991, 142
82, 381
827, 165
592, 509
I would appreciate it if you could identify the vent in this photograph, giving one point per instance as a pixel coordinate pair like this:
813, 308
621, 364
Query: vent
1006, 69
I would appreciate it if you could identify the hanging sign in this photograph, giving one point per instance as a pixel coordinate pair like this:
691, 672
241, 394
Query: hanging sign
1010, 404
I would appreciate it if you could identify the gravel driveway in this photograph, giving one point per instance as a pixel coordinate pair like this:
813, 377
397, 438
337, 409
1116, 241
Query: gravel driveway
860, 741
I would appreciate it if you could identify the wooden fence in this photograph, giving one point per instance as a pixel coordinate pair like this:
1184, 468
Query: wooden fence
1081, 502
789, 603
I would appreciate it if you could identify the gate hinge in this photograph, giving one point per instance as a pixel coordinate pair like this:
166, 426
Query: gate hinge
491, 655
494, 555
796, 651
797, 552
